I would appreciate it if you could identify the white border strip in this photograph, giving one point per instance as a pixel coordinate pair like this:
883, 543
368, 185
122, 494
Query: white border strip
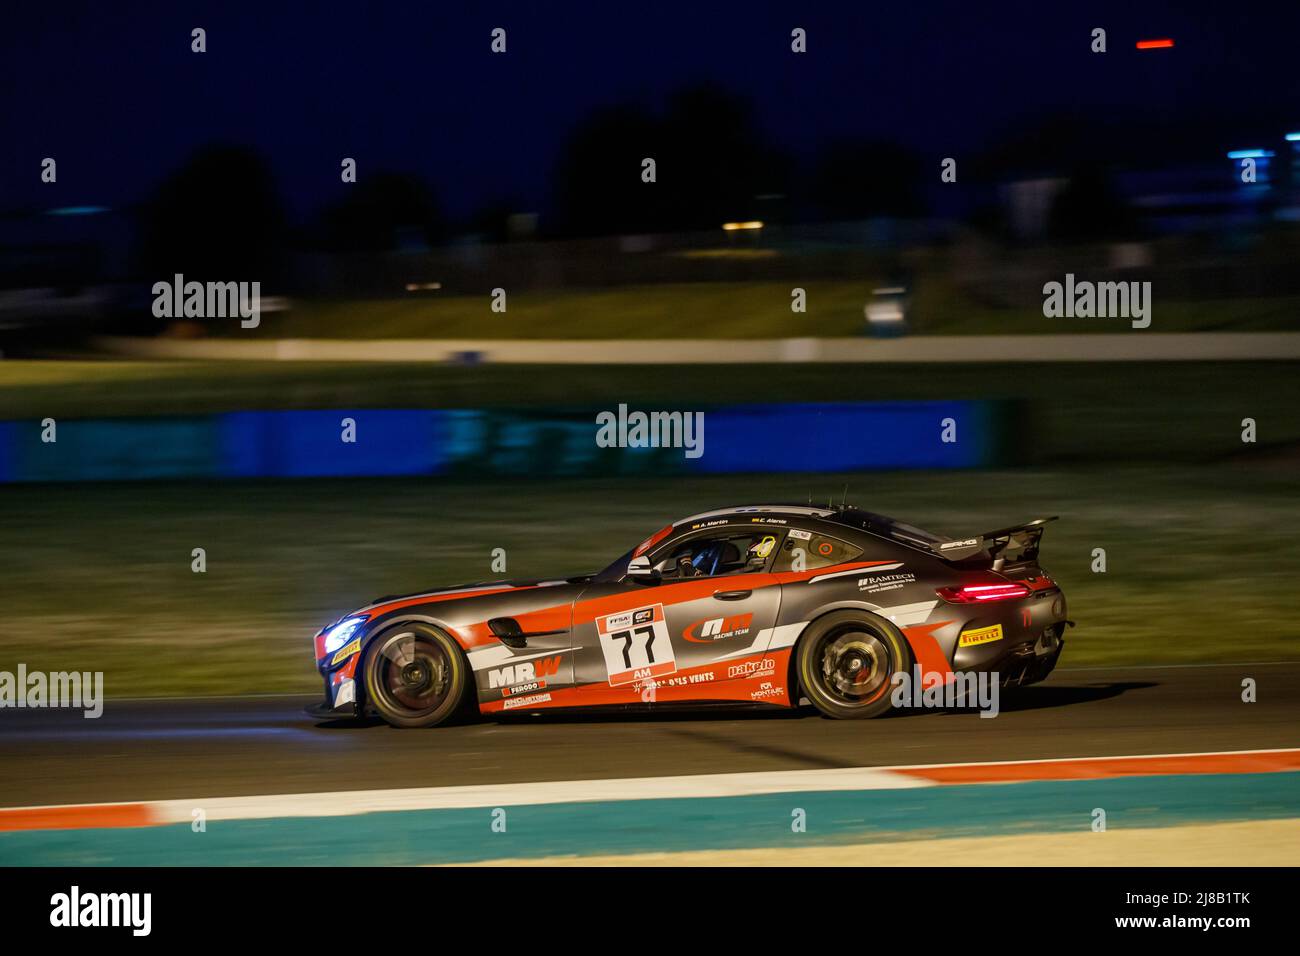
350, 802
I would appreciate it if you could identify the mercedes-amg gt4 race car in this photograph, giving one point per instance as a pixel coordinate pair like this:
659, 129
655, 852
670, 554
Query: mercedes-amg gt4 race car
772, 605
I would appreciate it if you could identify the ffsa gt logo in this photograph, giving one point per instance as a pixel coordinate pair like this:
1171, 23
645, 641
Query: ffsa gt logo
718, 628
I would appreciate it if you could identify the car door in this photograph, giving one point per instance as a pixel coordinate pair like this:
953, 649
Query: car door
672, 640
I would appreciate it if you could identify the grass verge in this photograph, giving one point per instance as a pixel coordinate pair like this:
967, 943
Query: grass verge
727, 310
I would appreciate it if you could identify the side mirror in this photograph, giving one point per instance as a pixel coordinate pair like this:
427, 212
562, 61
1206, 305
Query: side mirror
639, 570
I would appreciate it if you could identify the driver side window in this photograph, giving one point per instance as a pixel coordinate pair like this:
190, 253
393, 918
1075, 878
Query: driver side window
713, 555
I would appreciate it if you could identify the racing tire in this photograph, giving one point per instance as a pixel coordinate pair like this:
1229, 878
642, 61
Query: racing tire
415, 675
846, 662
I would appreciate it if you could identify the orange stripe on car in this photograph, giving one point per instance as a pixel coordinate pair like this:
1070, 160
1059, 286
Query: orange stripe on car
927, 652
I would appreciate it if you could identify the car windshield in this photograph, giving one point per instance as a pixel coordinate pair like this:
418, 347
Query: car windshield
616, 570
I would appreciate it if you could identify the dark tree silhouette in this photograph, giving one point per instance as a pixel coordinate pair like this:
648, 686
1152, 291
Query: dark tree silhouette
858, 178
377, 212
711, 164
715, 160
1090, 208
598, 187
218, 217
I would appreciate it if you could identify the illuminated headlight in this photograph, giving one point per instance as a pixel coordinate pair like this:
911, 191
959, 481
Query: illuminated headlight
340, 633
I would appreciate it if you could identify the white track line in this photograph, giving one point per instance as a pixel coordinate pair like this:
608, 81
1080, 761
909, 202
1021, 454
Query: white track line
350, 802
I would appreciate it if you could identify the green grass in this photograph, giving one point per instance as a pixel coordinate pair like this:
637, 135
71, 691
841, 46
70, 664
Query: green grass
1202, 561
1089, 412
726, 310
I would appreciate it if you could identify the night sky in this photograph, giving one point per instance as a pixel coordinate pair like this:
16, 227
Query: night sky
112, 91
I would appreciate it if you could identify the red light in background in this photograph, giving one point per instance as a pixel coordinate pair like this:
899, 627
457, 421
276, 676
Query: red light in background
1154, 44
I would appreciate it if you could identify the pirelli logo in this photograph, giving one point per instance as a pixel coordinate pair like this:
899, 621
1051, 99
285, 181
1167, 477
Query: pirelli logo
346, 652
983, 635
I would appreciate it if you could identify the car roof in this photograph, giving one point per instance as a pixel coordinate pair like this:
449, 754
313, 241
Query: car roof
742, 510
846, 516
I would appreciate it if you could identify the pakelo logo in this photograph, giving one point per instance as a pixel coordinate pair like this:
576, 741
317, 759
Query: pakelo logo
524, 676
764, 668
75, 908
711, 629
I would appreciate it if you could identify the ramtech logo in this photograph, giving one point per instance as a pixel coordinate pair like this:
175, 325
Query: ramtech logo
718, 628
525, 672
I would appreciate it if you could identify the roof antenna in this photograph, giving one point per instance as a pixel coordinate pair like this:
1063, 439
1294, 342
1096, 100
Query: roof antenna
844, 500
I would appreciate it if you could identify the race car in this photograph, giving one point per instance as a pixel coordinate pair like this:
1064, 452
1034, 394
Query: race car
763, 606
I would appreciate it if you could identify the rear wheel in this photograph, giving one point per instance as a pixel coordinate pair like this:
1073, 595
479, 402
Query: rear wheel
846, 663
415, 675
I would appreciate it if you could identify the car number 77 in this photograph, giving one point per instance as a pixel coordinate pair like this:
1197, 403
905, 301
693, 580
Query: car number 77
649, 633
636, 645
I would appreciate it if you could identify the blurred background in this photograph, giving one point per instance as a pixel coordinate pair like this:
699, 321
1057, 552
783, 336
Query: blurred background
521, 171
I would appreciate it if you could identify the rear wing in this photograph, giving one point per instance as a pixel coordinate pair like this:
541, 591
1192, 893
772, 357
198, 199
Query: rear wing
1018, 544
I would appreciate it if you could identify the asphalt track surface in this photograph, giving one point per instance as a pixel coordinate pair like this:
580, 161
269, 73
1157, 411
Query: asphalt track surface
216, 747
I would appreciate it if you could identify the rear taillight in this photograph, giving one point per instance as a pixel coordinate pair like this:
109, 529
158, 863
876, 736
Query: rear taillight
979, 593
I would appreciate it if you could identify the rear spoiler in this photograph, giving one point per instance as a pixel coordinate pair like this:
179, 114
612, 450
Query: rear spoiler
1018, 543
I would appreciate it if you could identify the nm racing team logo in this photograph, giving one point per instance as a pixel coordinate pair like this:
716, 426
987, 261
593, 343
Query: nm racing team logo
711, 629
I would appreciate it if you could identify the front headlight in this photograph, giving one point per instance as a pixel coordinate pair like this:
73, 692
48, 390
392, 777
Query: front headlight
340, 633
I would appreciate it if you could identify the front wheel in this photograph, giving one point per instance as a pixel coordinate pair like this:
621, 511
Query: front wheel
846, 663
415, 675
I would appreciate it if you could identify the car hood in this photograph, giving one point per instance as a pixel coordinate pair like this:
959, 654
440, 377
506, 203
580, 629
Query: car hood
483, 595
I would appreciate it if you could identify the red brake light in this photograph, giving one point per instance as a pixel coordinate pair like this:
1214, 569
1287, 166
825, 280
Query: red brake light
979, 593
